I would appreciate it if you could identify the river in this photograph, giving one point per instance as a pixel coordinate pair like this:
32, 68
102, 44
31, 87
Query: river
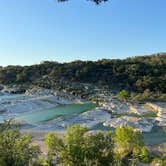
53, 113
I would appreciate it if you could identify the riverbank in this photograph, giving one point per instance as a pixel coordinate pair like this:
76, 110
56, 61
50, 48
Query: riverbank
33, 100
42, 110
47, 109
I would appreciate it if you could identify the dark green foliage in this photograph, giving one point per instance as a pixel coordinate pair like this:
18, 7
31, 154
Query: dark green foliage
144, 155
129, 147
80, 149
96, 1
125, 147
15, 149
139, 74
124, 95
128, 141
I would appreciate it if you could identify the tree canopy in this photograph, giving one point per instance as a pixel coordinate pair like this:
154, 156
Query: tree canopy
78, 149
144, 75
96, 1
16, 149
122, 147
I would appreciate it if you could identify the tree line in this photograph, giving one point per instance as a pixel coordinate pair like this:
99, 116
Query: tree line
136, 74
95, 1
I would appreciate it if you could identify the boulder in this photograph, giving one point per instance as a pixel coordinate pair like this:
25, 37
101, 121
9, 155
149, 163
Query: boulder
116, 106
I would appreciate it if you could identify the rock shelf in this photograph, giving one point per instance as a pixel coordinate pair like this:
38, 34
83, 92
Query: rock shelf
110, 113
141, 124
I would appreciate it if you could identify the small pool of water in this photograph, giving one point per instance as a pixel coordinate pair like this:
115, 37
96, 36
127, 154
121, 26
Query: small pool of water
50, 114
156, 136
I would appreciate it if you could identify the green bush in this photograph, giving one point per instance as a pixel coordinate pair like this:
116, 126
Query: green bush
80, 149
123, 95
16, 149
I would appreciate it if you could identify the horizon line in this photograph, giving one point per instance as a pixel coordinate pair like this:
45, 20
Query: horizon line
95, 60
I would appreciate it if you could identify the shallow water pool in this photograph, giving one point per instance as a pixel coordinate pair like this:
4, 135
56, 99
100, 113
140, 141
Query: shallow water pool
50, 114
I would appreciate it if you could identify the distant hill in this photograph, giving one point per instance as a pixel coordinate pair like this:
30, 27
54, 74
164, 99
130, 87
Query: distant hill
135, 74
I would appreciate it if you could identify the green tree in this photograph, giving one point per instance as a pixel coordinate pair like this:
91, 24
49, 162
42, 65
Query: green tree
78, 148
99, 149
144, 155
128, 140
123, 95
128, 144
96, 1
15, 149
40, 161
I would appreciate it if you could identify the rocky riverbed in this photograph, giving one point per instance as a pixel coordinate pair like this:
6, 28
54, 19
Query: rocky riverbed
12, 105
142, 117
53, 110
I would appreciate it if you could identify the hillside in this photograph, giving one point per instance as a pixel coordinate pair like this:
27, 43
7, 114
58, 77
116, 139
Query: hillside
145, 74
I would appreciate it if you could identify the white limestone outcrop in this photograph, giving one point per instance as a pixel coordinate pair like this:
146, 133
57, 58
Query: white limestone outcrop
116, 106
140, 124
138, 109
160, 109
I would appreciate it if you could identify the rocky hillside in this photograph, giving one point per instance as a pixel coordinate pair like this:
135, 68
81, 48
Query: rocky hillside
146, 74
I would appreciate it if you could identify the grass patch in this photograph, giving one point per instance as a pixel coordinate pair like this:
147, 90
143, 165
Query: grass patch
149, 114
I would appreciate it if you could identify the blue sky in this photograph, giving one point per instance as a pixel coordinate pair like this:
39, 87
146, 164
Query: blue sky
35, 30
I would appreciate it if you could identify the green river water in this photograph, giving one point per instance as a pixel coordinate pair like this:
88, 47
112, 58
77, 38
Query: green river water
50, 114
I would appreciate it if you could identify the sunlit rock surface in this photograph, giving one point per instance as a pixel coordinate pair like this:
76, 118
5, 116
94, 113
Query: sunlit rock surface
141, 124
138, 109
160, 109
25, 103
45, 92
111, 113
116, 106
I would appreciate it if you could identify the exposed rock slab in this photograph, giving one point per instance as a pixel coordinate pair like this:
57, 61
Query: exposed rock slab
116, 106
160, 109
138, 109
140, 124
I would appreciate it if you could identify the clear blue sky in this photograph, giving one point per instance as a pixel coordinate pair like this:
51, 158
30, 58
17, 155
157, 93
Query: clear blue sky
35, 30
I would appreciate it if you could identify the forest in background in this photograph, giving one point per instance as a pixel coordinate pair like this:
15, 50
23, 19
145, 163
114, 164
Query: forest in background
137, 75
